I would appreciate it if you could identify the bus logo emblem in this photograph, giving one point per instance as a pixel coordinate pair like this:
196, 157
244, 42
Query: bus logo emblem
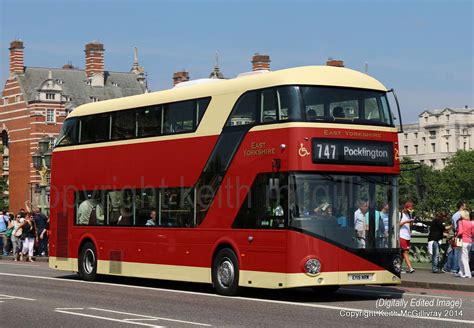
303, 152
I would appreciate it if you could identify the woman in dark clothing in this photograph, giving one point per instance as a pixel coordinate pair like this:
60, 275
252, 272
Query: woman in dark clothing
437, 230
28, 237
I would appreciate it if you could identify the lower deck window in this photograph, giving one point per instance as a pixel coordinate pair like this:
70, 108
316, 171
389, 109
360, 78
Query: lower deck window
168, 207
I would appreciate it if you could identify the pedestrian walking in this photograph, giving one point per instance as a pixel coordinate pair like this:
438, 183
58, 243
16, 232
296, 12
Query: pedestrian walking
16, 237
406, 220
4, 220
28, 237
465, 231
41, 222
452, 261
435, 238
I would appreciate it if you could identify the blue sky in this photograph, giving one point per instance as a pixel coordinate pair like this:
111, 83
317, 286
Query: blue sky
423, 49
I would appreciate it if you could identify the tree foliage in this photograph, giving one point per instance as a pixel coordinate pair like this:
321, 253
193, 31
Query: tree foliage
436, 190
3, 188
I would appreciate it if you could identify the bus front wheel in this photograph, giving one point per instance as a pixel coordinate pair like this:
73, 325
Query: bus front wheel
88, 262
225, 273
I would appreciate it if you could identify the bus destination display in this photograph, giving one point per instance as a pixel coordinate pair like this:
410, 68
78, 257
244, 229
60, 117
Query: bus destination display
353, 152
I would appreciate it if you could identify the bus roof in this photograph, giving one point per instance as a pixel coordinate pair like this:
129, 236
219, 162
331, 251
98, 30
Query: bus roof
306, 75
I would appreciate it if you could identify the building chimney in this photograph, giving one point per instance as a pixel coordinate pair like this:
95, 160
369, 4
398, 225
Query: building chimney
260, 62
95, 63
68, 66
16, 57
179, 77
334, 62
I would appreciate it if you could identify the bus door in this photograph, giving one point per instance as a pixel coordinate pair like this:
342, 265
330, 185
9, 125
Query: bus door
262, 237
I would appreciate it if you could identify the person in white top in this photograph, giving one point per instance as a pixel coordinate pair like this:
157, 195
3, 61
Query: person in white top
406, 219
84, 212
152, 220
361, 217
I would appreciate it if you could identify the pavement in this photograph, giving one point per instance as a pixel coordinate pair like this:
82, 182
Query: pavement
427, 279
421, 278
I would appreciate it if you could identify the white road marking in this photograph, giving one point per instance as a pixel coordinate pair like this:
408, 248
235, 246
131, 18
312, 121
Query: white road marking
10, 297
236, 298
20, 264
151, 317
128, 320
330, 307
106, 318
195, 293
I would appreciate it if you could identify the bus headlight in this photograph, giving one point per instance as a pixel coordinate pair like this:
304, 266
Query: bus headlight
312, 266
397, 264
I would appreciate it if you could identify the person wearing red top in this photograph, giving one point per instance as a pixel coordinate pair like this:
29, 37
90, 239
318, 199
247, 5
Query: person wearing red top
465, 231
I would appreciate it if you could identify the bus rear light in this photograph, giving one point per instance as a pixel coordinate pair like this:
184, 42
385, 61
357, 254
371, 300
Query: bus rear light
312, 266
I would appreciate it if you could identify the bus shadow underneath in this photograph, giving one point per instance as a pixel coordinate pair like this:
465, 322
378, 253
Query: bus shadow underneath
301, 295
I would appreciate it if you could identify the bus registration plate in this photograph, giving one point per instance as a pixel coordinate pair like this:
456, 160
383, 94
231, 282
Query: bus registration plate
361, 276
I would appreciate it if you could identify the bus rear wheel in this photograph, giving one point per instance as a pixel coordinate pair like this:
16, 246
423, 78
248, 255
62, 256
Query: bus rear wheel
88, 262
225, 273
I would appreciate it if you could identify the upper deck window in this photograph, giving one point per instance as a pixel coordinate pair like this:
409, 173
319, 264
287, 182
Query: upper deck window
155, 120
178, 117
149, 121
345, 105
310, 104
273, 104
69, 132
123, 126
269, 106
94, 128
245, 110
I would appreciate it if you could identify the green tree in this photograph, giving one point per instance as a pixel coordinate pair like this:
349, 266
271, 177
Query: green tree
435, 190
458, 178
4, 203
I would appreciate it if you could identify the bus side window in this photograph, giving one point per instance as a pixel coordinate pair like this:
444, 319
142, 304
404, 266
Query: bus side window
289, 104
123, 125
179, 117
177, 207
149, 121
265, 206
89, 207
146, 201
69, 132
201, 106
121, 207
244, 111
268, 106
94, 128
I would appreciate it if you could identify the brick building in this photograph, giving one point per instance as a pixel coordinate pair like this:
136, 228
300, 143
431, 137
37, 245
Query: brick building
35, 102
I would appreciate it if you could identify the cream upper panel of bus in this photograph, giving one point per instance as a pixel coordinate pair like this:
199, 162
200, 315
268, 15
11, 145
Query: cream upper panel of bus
307, 75
225, 93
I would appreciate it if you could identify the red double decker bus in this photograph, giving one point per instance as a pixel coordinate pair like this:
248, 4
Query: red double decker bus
274, 180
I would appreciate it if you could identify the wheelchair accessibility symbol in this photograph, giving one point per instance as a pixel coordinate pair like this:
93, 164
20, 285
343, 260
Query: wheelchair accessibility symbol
303, 152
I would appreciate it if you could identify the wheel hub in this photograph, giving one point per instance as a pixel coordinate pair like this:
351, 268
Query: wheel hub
225, 273
89, 261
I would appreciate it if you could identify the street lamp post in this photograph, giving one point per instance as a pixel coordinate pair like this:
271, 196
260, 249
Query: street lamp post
42, 164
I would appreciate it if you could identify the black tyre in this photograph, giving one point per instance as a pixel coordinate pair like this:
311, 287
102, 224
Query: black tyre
325, 290
225, 273
88, 262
